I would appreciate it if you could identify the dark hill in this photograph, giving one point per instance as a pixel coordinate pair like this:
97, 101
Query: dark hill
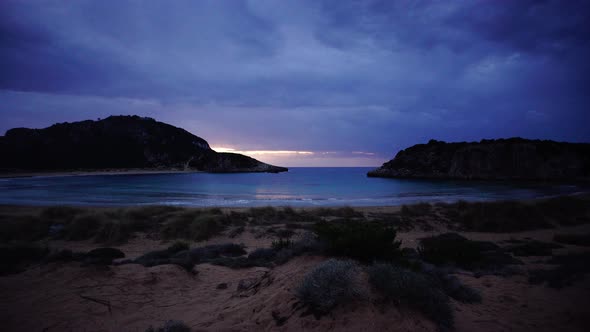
117, 142
502, 159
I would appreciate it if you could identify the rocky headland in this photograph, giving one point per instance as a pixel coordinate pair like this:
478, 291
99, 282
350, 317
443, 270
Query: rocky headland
117, 143
501, 159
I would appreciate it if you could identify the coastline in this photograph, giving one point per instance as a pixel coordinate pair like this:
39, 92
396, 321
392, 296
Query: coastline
139, 171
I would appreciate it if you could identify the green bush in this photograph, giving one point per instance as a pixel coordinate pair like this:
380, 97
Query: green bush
412, 290
364, 241
331, 283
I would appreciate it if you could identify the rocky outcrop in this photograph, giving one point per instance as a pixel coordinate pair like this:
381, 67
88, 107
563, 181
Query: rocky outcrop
117, 143
502, 159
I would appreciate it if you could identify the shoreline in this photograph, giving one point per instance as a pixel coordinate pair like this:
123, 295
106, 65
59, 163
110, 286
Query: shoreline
307, 208
139, 171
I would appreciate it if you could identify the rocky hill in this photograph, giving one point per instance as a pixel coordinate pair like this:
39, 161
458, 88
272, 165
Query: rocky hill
117, 143
502, 159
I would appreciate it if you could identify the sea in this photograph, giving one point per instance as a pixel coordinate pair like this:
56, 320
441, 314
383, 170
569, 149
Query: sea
300, 187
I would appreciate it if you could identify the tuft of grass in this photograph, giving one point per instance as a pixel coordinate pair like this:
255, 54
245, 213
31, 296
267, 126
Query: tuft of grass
575, 239
329, 284
365, 241
413, 290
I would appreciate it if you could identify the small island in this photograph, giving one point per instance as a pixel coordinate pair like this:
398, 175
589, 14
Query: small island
500, 159
116, 144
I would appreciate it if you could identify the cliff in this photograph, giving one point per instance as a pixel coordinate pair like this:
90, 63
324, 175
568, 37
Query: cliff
117, 142
502, 159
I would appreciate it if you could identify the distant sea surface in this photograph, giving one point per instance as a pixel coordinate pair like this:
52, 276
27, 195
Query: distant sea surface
298, 187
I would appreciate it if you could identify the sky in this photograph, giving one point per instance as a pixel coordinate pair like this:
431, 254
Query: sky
306, 82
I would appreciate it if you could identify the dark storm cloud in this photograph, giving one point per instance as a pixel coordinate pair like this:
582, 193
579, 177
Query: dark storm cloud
372, 76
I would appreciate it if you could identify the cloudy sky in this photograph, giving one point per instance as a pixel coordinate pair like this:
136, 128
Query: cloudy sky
303, 83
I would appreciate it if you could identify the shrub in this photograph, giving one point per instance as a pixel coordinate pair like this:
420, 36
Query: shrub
364, 241
328, 285
413, 290
454, 249
170, 326
501, 216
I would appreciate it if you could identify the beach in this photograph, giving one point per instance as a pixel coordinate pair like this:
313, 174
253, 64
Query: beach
74, 296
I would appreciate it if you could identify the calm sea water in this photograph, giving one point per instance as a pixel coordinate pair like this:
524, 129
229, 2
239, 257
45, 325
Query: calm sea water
298, 187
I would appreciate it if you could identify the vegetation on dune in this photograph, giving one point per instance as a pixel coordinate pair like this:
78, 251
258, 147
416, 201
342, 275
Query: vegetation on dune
331, 283
515, 216
365, 241
118, 225
455, 250
413, 290
194, 226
